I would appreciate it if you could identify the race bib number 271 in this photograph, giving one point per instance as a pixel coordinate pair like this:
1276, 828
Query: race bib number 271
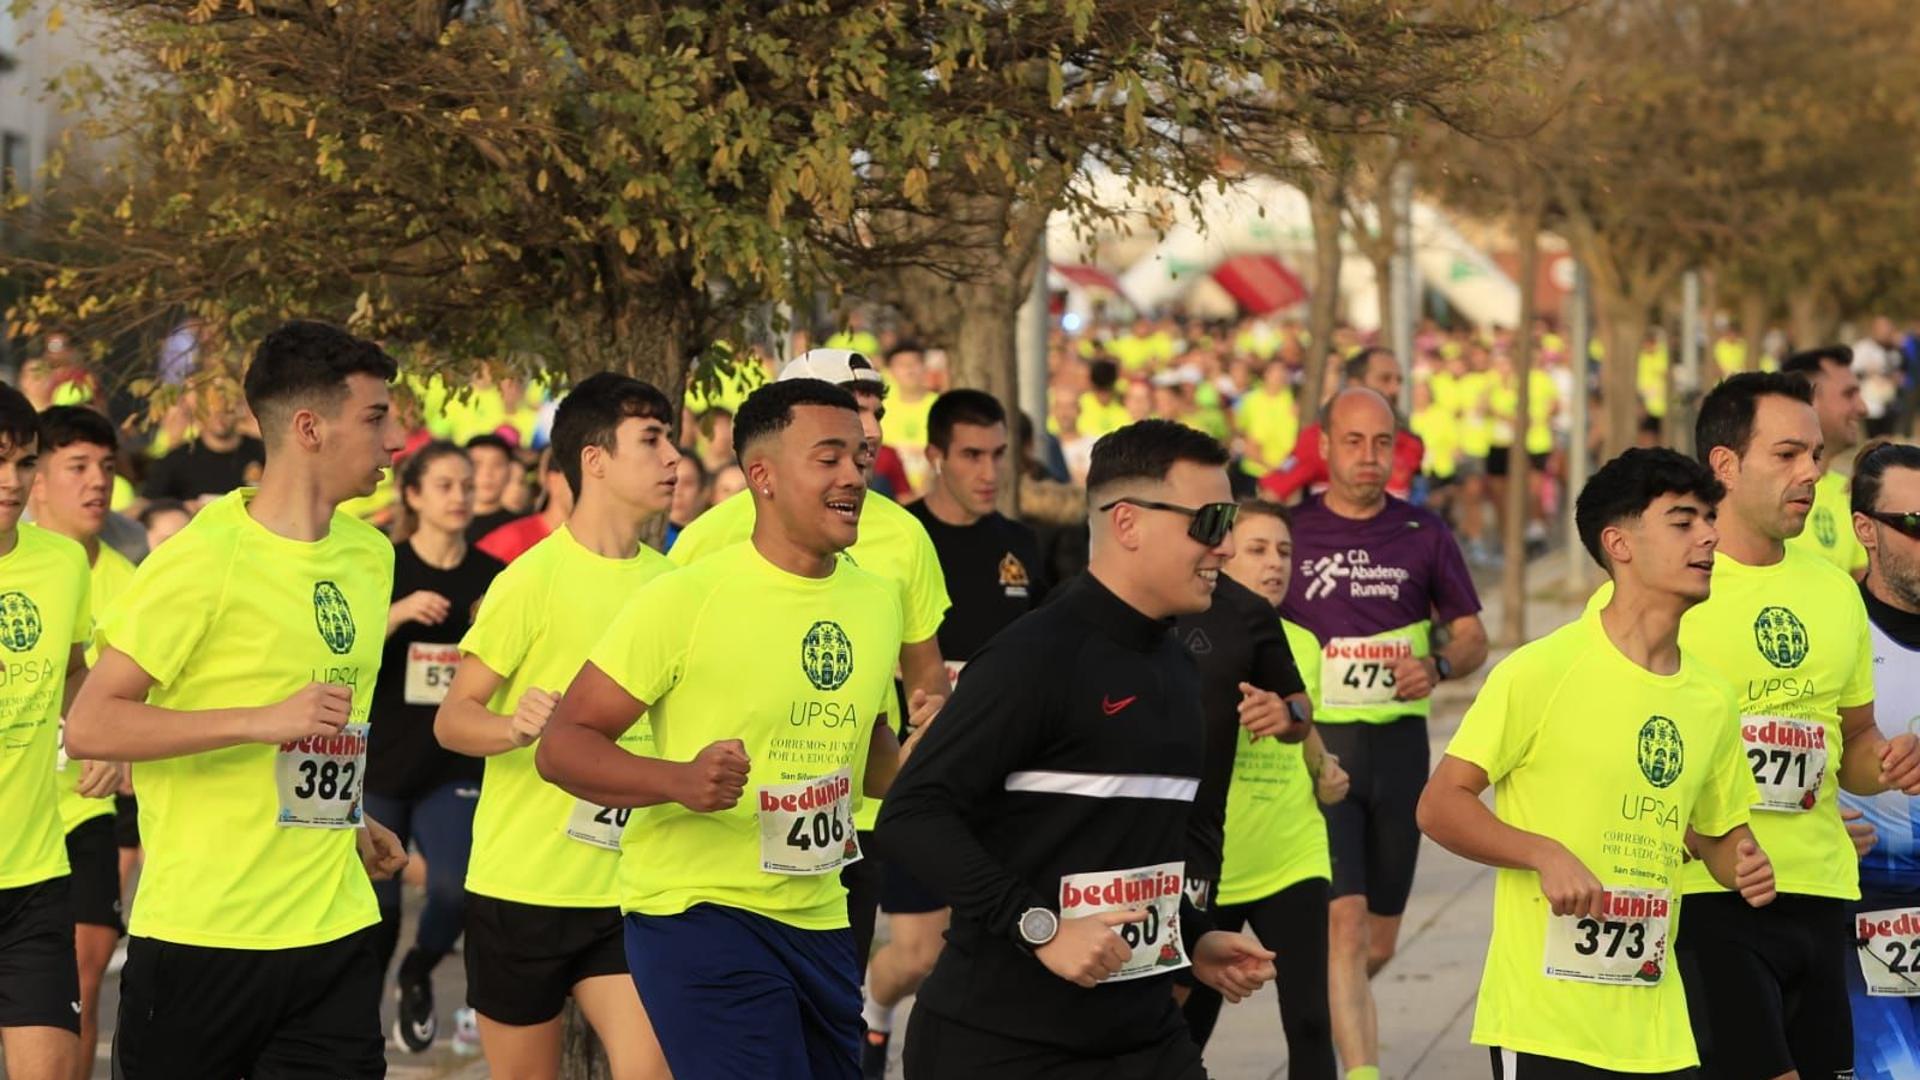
1789, 760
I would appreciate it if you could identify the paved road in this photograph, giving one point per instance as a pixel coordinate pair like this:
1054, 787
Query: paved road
1425, 996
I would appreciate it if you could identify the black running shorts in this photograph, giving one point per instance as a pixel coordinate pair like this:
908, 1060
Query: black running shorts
39, 978
95, 861
1767, 987
524, 959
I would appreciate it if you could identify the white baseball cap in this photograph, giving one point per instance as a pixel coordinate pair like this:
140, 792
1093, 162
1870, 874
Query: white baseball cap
837, 366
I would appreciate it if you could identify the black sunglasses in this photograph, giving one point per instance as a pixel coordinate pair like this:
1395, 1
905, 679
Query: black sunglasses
1211, 523
1904, 524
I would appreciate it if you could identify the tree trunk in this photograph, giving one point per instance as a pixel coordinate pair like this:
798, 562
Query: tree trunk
1323, 203
1383, 284
1513, 540
1626, 327
1753, 327
1810, 320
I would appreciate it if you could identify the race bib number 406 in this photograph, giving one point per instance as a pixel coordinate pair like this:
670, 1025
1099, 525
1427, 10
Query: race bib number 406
806, 827
429, 672
1789, 759
1156, 890
1627, 947
319, 779
1888, 944
1359, 671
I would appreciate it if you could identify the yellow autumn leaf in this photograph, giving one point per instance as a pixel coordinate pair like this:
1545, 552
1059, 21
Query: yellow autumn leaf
629, 239
540, 181
55, 19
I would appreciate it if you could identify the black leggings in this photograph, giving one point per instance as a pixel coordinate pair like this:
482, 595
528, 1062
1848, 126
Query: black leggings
1293, 923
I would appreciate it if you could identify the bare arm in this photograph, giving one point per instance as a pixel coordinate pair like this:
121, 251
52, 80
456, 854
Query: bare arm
923, 669
111, 721
1736, 862
582, 755
1869, 761
1452, 814
1465, 648
465, 725
886, 754
76, 674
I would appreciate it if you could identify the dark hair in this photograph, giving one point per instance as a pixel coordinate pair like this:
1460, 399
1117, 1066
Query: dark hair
1258, 507
1148, 450
304, 363
975, 407
1873, 460
1623, 489
19, 424
1355, 367
691, 456
905, 346
591, 413
492, 442
1103, 374
157, 507
409, 476
1726, 413
1808, 362
63, 425
769, 410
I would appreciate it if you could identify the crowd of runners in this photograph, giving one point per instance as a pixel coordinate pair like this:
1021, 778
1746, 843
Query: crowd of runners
1100, 779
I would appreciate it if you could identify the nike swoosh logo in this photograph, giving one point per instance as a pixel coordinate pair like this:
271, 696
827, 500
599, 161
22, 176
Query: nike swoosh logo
1112, 707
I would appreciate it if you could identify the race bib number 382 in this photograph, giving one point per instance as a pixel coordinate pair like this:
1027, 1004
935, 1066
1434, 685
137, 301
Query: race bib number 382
1789, 760
806, 827
319, 779
1156, 890
1628, 946
1359, 671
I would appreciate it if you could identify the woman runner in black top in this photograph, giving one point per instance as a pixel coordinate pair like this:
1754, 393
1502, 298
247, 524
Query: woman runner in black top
427, 793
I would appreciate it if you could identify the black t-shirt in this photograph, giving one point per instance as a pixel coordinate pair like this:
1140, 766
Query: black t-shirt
482, 524
1237, 640
993, 577
403, 759
193, 470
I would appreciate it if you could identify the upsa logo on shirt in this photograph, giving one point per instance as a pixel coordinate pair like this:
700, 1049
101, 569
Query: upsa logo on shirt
1823, 526
1661, 752
19, 622
826, 655
333, 617
1780, 636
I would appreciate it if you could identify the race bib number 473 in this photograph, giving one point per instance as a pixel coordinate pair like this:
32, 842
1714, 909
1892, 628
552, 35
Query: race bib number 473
319, 779
806, 827
1359, 671
1789, 759
1627, 947
1888, 944
1156, 890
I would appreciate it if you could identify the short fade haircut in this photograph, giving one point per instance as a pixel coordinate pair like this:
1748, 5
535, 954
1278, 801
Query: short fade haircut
1810, 361
591, 414
490, 441
769, 409
1147, 450
62, 426
1355, 367
19, 424
306, 363
1870, 466
1623, 488
1726, 413
975, 407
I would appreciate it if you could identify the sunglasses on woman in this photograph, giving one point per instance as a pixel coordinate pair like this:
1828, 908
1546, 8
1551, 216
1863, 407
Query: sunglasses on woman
1211, 523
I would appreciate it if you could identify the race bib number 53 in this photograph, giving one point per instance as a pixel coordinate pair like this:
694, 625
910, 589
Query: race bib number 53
1888, 943
1359, 671
1789, 759
319, 779
1627, 947
1156, 890
806, 827
429, 672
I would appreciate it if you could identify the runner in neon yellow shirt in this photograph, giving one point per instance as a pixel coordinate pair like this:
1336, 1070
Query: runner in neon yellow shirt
904, 424
237, 673
1596, 805
1270, 418
70, 497
891, 543
763, 670
543, 919
44, 623
1836, 398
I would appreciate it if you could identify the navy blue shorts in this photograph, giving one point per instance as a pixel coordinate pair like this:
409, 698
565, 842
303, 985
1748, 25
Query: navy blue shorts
734, 994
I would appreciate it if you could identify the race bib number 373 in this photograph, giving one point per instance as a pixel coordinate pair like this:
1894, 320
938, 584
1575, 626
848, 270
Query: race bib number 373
1359, 671
1789, 760
1627, 947
319, 779
1156, 890
806, 827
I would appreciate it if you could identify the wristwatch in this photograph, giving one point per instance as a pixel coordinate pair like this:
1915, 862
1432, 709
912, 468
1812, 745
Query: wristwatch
1299, 710
1442, 670
1037, 927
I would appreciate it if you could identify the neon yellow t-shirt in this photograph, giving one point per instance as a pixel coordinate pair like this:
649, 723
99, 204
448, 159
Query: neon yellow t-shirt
109, 577
860, 341
1651, 379
1829, 532
1730, 354
1476, 430
538, 621
1275, 836
1792, 640
1272, 421
1614, 762
797, 669
904, 427
1439, 430
1542, 396
892, 544
44, 613
229, 614
1097, 419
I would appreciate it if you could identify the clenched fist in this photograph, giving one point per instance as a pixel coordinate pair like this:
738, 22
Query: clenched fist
530, 716
715, 778
314, 709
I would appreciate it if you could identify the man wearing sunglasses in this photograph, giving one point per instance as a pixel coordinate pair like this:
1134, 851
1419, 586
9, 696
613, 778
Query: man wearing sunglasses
1051, 803
1884, 988
1383, 587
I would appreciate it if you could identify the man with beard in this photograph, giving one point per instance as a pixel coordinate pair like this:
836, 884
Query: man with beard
1837, 401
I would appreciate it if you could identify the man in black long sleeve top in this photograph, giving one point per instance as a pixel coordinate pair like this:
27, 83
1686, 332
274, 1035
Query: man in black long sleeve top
1051, 803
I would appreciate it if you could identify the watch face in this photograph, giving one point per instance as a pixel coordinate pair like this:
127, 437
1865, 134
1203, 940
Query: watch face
1038, 926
